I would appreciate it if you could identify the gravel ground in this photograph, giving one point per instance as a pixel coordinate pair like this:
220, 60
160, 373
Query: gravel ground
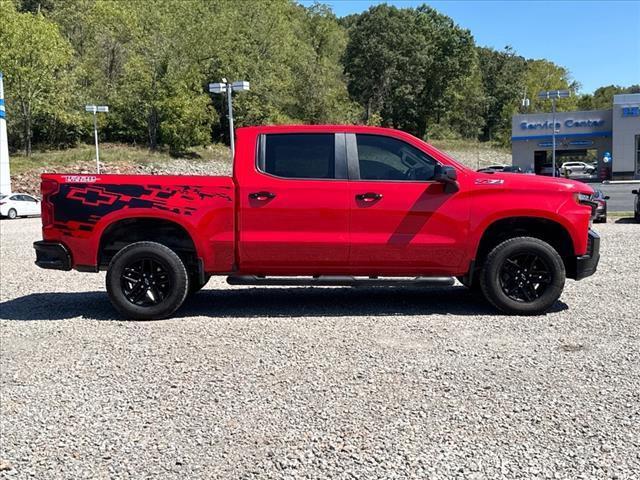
318, 383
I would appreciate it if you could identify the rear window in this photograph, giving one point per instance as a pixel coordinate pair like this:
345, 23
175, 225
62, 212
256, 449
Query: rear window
299, 155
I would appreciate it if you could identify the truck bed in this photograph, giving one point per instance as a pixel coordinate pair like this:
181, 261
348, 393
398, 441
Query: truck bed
77, 208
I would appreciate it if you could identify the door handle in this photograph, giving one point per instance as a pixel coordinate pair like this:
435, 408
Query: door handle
262, 196
369, 196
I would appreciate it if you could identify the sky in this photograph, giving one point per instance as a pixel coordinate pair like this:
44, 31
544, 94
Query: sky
597, 41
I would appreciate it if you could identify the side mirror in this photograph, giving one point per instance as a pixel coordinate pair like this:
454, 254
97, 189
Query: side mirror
607, 197
447, 175
635, 192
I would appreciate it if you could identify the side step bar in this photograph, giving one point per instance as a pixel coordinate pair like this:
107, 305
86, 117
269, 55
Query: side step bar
340, 281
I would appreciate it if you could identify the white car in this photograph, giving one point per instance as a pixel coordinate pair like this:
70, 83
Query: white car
570, 168
19, 205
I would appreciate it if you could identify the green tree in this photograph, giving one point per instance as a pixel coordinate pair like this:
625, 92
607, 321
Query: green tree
543, 75
35, 59
503, 76
401, 62
602, 98
319, 86
466, 102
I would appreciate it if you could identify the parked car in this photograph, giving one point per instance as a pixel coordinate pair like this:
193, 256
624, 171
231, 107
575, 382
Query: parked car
512, 169
636, 208
322, 205
547, 170
493, 168
570, 168
601, 209
19, 205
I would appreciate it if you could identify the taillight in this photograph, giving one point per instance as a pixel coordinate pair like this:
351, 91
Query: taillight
48, 188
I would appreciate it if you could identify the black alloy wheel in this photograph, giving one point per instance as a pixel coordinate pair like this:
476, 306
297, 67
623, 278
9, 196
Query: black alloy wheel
145, 282
524, 277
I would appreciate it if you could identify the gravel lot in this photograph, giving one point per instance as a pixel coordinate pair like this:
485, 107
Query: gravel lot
318, 383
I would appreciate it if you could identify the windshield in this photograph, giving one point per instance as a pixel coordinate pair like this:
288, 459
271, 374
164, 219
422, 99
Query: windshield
2, 196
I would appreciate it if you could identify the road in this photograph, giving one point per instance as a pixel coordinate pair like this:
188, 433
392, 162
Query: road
621, 198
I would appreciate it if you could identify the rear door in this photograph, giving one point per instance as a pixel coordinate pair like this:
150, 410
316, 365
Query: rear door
294, 205
402, 222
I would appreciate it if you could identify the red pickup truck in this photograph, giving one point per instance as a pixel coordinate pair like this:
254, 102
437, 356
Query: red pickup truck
322, 205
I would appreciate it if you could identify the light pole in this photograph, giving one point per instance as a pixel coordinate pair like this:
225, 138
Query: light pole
95, 109
553, 95
228, 88
5, 174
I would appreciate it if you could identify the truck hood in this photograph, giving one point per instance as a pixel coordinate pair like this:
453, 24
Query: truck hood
532, 182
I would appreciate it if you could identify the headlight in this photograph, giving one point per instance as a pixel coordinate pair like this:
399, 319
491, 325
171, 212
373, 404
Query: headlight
584, 198
588, 201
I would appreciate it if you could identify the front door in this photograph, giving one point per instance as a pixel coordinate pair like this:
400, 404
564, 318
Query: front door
294, 206
402, 222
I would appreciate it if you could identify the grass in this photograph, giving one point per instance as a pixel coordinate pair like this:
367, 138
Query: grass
620, 214
113, 154
468, 146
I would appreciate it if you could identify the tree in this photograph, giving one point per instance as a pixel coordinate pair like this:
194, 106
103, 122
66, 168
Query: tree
543, 75
35, 59
503, 76
602, 98
401, 62
319, 86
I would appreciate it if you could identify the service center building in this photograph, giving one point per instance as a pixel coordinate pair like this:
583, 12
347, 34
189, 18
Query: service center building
609, 137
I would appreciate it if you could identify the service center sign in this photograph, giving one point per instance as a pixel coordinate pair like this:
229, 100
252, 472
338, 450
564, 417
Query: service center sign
584, 123
568, 123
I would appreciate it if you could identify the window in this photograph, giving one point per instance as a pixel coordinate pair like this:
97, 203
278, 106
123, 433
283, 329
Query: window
28, 198
386, 158
299, 155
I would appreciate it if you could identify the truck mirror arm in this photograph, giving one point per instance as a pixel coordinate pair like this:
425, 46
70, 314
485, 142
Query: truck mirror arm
447, 175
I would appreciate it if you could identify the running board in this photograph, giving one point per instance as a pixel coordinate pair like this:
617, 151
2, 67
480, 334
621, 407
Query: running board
341, 281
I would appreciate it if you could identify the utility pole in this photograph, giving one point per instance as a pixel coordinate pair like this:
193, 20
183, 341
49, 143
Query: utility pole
5, 171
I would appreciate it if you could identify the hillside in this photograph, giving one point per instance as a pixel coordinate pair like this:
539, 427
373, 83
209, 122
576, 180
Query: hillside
210, 160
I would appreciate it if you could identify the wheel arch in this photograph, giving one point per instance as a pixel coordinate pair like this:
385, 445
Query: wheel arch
545, 229
125, 231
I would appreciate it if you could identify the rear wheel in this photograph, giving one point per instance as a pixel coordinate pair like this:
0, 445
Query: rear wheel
147, 280
523, 276
12, 214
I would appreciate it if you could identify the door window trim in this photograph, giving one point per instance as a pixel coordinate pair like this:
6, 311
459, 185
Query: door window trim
340, 157
353, 160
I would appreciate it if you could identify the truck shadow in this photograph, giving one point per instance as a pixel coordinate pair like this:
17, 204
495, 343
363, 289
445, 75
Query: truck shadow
266, 302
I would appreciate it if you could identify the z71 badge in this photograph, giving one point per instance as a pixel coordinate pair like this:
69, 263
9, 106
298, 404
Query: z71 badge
489, 181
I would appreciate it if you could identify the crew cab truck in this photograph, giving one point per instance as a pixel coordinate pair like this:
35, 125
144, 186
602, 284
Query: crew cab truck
322, 205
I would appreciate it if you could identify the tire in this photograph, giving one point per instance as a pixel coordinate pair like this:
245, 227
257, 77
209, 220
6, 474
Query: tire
12, 214
509, 273
147, 281
195, 285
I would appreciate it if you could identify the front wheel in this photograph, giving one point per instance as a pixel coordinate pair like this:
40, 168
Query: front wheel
523, 276
146, 281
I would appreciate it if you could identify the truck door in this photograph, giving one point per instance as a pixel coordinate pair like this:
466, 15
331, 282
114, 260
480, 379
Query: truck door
402, 222
294, 205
